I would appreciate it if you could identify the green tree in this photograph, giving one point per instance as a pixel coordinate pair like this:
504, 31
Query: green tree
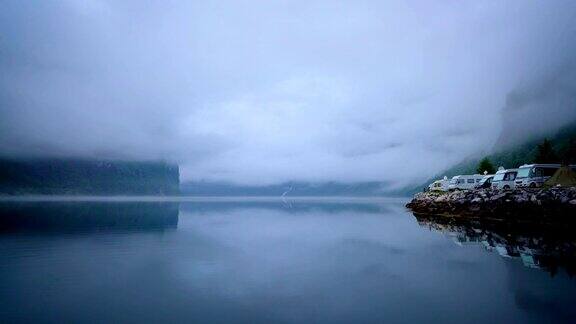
569, 152
485, 165
545, 153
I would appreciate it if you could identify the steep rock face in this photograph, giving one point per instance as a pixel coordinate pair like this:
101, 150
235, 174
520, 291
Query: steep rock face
538, 204
67, 176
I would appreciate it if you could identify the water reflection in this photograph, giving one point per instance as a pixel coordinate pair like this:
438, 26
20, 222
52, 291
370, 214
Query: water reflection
549, 247
70, 217
293, 206
260, 262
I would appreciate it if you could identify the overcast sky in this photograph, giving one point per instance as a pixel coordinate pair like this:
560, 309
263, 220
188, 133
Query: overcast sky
267, 91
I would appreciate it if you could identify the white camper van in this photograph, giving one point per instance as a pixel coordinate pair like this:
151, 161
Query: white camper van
504, 179
439, 185
534, 175
485, 182
463, 182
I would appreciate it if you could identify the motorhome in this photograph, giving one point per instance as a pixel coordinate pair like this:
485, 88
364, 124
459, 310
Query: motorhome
504, 179
463, 182
485, 182
534, 175
439, 185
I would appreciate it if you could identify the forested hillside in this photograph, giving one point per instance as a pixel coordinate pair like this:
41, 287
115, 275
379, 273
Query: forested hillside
71, 176
563, 145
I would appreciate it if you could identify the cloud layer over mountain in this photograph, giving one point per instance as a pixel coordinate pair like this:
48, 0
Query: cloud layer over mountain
268, 91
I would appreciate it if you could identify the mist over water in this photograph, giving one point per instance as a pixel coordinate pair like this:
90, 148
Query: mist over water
270, 261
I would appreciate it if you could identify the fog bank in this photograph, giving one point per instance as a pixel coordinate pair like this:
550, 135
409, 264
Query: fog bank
260, 92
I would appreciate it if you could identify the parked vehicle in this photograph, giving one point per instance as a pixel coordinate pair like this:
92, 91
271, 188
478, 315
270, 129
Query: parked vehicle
534, 175
504, 179
463, 182
439, 185
485, 182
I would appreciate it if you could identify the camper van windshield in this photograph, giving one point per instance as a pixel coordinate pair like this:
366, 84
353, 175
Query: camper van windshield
523, 173
486, 178
499, 176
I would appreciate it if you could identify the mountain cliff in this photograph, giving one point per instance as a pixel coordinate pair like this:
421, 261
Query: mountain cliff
89, 177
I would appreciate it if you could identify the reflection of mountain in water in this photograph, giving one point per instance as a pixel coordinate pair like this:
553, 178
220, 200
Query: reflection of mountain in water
541, 246
87, 216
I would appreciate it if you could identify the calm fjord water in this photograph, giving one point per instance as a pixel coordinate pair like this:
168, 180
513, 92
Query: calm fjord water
275, 261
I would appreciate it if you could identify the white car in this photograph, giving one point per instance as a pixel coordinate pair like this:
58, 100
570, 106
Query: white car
464, 182
504, 179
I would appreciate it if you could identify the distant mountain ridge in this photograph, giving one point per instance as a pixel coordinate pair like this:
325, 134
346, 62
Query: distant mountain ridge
87, 177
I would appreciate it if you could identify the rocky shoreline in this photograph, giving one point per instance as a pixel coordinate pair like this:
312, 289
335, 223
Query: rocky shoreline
551, 204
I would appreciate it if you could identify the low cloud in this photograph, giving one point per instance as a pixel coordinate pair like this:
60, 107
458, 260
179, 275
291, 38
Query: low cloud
260, 92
